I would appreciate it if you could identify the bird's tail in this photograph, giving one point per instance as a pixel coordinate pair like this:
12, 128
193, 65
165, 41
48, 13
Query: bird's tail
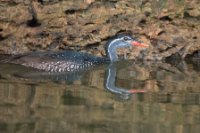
6, 58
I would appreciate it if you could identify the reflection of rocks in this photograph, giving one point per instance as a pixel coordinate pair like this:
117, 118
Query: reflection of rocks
14, 99
96, 78
168, 26
48, 113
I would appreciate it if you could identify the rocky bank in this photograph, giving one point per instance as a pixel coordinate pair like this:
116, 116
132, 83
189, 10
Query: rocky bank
170, 27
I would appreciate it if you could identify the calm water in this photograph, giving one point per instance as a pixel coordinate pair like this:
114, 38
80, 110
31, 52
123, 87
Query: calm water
99, 101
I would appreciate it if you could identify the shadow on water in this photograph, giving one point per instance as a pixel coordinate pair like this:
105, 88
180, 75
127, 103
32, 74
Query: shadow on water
105, 99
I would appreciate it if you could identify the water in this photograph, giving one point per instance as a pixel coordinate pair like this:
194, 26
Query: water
100, 102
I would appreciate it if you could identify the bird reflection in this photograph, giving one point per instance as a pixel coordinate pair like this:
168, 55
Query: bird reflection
110, 84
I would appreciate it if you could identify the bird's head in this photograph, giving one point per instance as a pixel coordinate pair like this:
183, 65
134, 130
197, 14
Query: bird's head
121, 41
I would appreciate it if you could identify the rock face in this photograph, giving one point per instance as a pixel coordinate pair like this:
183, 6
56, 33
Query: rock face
170, 27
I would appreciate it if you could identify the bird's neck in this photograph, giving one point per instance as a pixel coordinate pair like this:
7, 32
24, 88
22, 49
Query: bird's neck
112, 53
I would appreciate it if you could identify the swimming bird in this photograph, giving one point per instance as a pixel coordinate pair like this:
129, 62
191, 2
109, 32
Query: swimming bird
64, 61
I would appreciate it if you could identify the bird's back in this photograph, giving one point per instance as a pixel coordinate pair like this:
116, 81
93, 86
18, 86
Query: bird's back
62, 61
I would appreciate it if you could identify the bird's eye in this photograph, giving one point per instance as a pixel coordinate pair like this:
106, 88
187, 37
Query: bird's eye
126, 38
